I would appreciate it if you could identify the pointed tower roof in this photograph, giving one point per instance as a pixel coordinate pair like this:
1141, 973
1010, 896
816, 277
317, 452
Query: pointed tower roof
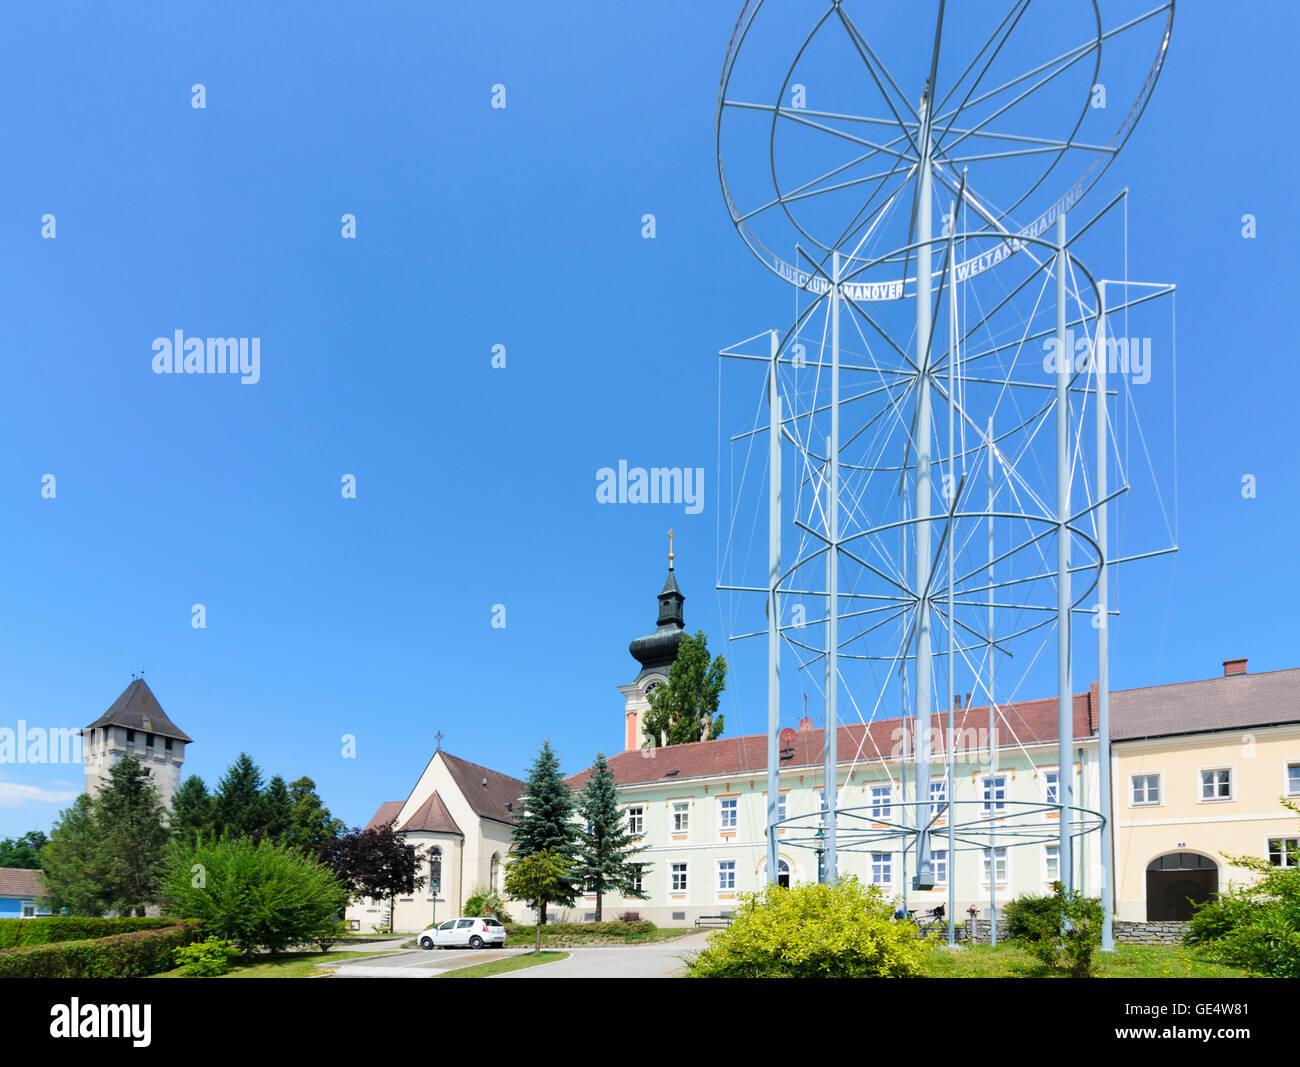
656, 651
138, 709
433, 817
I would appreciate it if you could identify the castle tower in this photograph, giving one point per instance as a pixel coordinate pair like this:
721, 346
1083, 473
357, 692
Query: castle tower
135, 725
656, 653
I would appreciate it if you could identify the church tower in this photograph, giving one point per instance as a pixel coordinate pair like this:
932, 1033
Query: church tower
656, 653
135, 725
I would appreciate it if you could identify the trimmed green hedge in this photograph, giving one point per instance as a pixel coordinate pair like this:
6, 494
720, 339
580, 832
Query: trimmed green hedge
614, 929
130, 955
52, 929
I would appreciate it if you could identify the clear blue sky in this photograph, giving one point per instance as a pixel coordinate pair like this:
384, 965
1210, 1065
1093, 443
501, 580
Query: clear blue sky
475, 227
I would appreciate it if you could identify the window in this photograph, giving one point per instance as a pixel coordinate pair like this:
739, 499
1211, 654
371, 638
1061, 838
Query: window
726, 875
681, 816
882, 868
939, 861
1216, 784
167, 743
995, 794
1146, 789
938, 797
1051, 787
1052, 863
780, 807
29, 911
821, 800
679, 878
1293, 779
130, 736
880, 798
638, 880
636, 820
1284, 851
727, 813
148, 740
1000, 862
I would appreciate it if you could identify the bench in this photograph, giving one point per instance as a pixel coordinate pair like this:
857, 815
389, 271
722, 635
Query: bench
714, 921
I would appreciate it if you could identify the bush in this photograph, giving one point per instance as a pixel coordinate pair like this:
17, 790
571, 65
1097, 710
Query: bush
813, 931
257, 895
485, 902
131, 955
206, 959
1029, 913
601, 929
1067, 934
52, 929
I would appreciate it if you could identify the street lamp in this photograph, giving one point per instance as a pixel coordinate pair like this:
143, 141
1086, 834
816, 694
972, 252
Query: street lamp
821, 852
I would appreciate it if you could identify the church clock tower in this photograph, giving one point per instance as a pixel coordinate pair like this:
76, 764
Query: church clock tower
656, 653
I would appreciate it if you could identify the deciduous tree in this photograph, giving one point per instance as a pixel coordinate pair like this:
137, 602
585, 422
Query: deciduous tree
684, 709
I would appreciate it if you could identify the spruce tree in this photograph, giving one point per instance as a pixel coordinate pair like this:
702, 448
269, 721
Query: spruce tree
75, 864
277, 811
132, 826
192, 815
547, 823
604, 857
237, 805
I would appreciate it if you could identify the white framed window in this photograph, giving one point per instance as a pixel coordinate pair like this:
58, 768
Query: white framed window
939, 859
678, 884
938, 797
1145, 790
780, 806
821, 800
726, 876
636, 819
638, 879
1284, 851
1051, 863
1216, 783
882, 868
999, 857
995, 794
681, 816
1293, 779
1052, 787
881, 795
727, 812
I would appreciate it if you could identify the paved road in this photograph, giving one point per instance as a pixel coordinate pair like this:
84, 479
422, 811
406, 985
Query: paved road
660, 960
418, 963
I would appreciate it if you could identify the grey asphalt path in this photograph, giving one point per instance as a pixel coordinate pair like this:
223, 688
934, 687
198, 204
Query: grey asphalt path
418, 963
660, 960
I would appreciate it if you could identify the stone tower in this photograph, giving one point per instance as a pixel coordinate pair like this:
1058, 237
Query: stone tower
135, 725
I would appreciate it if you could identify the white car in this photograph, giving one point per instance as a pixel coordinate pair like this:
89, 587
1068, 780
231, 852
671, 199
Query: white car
464, 933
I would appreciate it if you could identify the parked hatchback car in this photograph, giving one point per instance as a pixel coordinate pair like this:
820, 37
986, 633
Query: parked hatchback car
464, 933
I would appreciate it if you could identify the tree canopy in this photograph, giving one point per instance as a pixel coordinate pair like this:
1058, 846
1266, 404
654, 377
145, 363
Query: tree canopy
547, 822
604, 857
684, 709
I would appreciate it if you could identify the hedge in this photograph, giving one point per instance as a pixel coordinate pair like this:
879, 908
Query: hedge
130, 955
614, 929
52, 929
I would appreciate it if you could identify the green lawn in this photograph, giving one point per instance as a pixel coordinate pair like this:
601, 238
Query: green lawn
1127, 961
290, 965
506, 963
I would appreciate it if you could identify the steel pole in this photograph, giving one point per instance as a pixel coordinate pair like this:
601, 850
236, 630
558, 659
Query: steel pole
1064, 683
833, 584
993, 762
1103, 639
773, 610
950, 500
924, 665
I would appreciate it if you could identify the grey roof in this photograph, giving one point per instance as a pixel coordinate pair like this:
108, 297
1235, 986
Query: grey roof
138, 709
433, 817
488, 800
1271, 698
388, 811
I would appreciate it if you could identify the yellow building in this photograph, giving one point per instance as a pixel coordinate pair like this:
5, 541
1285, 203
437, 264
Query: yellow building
1198, 768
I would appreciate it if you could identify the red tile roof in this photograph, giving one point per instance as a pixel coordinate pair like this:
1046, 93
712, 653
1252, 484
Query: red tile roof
1025, 722
19, 882
388, 811
490, 794
432, 817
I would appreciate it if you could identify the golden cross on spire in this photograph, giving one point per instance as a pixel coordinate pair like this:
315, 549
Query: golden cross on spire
670, 550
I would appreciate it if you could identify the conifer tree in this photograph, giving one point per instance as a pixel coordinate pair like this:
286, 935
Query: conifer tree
192, 814
547, 823
277, 811
74, 863
604, 860
129, 815
238, 808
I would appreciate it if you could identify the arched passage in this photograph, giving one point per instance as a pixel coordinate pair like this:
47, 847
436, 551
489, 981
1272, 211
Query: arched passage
1177, 882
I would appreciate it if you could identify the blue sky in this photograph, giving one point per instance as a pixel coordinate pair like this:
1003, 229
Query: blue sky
477, 227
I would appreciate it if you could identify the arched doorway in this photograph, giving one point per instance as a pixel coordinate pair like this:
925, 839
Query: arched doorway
1177, 882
